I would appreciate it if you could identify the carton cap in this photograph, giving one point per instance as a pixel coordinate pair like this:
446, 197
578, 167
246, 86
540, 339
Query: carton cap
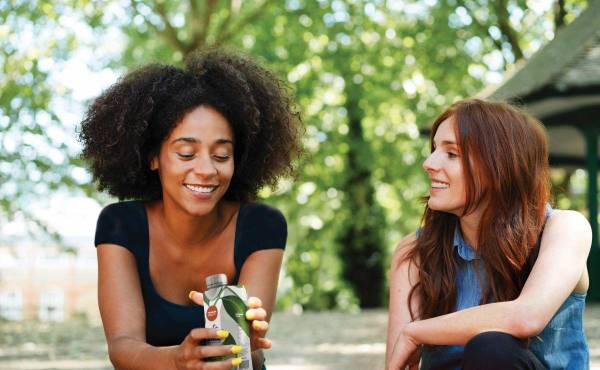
213, 281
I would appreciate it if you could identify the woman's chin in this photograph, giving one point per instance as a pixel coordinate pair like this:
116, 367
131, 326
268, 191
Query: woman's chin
435, 206
200, 211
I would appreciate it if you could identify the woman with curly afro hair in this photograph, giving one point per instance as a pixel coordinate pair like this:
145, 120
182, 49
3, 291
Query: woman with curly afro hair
186, 151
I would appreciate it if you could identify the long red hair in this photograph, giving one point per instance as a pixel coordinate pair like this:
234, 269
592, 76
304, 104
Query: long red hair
504, 154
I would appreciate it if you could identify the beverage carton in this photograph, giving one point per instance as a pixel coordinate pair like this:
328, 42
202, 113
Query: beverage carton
225, 308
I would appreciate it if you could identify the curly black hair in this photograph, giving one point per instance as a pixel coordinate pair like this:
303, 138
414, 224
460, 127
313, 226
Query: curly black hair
125, 126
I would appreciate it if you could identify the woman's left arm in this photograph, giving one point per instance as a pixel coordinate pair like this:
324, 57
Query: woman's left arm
560, 266
260, 275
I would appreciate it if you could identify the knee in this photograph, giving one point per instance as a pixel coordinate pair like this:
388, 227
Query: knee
490, 350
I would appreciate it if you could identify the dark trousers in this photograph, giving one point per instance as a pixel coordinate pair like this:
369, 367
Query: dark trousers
495, 350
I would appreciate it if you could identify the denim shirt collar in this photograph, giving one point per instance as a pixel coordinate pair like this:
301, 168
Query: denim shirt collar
465, 251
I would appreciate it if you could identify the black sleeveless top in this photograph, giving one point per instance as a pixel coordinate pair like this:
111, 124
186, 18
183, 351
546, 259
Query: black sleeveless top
258, 227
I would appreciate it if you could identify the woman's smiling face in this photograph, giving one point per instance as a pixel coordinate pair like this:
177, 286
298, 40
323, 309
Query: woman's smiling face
195, 161
444, 166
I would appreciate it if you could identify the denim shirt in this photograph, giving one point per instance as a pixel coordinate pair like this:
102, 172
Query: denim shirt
561, 345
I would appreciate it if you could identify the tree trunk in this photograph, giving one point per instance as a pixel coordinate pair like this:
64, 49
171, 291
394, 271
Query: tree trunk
559, 14
360, 239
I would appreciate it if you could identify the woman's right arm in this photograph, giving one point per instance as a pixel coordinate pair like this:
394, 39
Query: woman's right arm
403, 276
123, 317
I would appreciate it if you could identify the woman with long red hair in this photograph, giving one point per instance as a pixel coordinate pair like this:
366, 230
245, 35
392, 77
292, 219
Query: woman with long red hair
494, 278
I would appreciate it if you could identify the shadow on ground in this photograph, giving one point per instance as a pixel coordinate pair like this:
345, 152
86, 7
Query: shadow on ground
311, 341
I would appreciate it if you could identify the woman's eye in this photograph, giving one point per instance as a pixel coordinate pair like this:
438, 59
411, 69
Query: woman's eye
184, 155
222, 158
452, 155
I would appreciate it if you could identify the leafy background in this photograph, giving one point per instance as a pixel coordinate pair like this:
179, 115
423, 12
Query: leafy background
367, 77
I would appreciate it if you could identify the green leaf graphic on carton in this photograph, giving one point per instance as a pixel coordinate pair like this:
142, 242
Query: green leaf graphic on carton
216, 297
230, 340
236, 308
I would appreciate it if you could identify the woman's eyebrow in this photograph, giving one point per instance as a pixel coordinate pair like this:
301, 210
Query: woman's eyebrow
224, 141
193, 140
445, 142
448, 142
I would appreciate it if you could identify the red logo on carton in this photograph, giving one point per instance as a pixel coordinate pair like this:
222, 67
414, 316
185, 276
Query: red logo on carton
211, 313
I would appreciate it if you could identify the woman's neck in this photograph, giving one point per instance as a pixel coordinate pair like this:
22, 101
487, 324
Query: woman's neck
469, 227
187, 230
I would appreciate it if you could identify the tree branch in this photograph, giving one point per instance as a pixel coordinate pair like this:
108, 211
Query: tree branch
199, 38
483, 27
233, 9
191, 17
168, 34
226, 34
559, 14
194, 7
507, 30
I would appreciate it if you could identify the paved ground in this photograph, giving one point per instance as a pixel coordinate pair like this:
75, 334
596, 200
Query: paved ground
311, 341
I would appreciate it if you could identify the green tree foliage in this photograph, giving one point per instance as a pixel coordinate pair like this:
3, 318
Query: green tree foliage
367, 76
334, 61
37, 151
364, 73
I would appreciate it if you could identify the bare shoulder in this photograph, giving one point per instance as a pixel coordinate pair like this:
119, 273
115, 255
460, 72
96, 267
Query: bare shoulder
569, 221
567, 230
403, 248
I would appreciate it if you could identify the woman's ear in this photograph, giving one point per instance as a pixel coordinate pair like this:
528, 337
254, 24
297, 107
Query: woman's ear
154, 163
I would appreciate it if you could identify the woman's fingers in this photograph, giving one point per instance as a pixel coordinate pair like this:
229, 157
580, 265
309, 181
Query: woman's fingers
192, 355
203, 352
254, 302
196, 297
256, 314
264, 343
200, 334
261, 343
260, 326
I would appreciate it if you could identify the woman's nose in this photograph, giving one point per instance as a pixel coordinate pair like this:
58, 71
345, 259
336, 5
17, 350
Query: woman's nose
204, 166
431, 164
